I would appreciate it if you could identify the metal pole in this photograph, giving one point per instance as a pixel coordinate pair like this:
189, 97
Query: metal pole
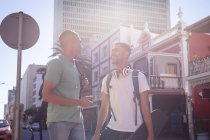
17, 95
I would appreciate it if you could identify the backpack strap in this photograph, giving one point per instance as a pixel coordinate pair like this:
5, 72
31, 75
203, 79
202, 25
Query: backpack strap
108, 86
135, 80
108, 80
136, 97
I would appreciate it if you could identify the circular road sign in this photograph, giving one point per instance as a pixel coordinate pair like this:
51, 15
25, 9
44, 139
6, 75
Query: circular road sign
19, 29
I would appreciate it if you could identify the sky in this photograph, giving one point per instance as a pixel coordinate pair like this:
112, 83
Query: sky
42, 12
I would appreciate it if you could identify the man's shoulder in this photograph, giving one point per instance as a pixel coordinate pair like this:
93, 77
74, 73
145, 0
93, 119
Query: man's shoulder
54, 61
140, 73
105, 77
110, 74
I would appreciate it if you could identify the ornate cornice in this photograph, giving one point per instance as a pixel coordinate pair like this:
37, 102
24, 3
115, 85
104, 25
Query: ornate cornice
200, 81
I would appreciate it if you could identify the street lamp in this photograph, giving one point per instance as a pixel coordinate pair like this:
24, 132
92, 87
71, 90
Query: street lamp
2, 83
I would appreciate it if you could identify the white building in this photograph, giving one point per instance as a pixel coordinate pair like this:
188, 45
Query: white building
96, 18
8, 110
11, 96
28, 85
37, 100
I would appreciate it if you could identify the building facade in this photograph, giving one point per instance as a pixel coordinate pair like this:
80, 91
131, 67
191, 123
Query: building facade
38, 80
28, 86
100, 54
93, 19
199, 75
6, 111
9, 107
163, 59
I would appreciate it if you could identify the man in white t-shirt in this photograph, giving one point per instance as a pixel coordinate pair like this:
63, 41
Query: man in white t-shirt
120, 98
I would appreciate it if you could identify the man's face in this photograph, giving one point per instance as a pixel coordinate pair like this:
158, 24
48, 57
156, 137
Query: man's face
118, 55
77, 46
74, 45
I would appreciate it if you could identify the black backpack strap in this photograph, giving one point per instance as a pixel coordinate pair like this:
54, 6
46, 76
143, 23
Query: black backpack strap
108, 80
136, 97
108, 86
135, 74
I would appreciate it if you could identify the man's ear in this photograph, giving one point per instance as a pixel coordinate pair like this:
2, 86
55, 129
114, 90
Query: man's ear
125, 55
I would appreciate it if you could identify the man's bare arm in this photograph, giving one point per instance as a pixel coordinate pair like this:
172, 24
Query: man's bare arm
50, 96
146, 114
102, 115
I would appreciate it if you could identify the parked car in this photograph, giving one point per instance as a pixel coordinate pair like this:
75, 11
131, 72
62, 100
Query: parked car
35, 126
5, 130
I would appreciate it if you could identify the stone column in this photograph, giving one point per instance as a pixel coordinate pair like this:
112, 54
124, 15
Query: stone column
185, 70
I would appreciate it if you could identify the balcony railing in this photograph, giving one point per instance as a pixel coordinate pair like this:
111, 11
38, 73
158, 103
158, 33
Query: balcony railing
199, 66
165, 82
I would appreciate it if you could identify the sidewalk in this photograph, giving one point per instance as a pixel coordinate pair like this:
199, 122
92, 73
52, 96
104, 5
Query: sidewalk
89, 136
27, 136
172, 138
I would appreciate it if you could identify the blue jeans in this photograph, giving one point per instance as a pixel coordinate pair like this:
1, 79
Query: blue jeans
66, 131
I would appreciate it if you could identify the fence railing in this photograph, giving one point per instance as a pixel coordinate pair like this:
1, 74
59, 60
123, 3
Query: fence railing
165, 82
199, 66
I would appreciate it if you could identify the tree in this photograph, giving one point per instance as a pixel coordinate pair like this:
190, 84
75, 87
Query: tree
31, 111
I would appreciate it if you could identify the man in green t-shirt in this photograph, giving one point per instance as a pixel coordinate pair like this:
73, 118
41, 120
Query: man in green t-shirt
61, 91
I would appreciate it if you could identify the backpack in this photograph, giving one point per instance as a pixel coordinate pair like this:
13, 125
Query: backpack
135, 93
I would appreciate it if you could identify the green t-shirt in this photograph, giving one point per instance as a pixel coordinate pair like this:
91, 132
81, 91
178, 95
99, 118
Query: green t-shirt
62, 72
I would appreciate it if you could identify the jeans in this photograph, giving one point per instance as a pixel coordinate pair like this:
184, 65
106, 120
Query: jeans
66, 131
109, 134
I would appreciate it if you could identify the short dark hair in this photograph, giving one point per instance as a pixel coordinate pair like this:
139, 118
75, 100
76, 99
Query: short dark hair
125, 46
68, 33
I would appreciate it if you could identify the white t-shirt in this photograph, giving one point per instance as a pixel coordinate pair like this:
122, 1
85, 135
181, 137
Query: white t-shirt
121, 98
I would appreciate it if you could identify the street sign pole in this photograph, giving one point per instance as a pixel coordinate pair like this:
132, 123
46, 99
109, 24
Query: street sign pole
18, 80
19, 31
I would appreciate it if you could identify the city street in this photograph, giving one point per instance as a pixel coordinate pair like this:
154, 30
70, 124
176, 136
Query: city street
27, 135
147, 56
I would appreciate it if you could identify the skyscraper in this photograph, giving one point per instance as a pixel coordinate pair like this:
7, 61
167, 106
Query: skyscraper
94, 18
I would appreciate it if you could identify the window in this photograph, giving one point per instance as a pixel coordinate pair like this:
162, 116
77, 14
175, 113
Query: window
104, 51
95, 60
172, 68
34, 100
105, 70
34, 92
95, 76
34, 85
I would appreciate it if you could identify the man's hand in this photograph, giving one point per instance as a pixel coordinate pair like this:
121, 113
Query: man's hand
96, 136
86, 101
146, 114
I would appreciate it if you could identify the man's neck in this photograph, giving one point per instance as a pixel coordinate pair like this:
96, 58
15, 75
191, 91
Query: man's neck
69, 57
120, 67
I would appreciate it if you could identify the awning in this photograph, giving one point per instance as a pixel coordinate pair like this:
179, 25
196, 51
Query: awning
202, 26
166, 91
